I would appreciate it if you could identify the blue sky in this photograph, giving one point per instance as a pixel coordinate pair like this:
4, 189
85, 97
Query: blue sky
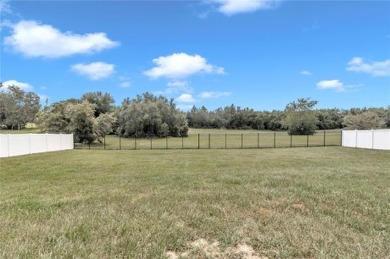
253, 53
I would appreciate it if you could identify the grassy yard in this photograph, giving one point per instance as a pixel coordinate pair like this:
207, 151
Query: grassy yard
222, 139
320, 202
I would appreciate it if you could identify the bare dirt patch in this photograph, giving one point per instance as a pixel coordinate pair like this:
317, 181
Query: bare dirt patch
203, 248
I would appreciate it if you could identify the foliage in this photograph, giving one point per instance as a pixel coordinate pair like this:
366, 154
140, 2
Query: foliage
73, 116
17, 107
103, 102
300, 118
150, 116
365, 120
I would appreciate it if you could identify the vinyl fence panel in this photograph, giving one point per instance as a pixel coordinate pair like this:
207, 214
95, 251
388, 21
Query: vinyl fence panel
373, 139
23, 144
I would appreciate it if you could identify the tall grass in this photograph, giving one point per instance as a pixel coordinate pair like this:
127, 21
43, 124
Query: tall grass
328, 202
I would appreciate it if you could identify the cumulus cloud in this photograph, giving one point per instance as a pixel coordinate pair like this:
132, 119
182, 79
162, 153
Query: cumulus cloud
331, 84
40, 40
378, 68
181, 65
94, 71
185, 98
213, 95
23, 86
232, 7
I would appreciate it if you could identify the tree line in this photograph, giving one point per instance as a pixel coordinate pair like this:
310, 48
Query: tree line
95, 114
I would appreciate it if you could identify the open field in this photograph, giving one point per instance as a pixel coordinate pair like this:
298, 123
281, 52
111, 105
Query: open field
222, 139
324, 202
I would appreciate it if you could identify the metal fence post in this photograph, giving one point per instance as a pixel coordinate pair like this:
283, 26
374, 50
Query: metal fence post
274, 139
324, 138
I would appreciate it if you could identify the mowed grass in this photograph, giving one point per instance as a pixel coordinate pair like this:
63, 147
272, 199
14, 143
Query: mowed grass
221, 139
319, 202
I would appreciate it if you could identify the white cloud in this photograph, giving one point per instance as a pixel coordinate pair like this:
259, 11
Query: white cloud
124, 82
94, 71
212, 95
305, 73
181, 65
331, 84
23, 86
185, 98
232, 7
4, 7
378, 68
39, 40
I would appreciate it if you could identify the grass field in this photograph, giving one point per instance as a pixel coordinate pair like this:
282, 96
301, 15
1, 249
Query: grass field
320, 202
222, 139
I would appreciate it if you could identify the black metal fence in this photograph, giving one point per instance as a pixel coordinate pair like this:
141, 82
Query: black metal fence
219, 141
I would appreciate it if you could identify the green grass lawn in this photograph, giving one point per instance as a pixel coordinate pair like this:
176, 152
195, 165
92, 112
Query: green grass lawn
222, 139
319, 202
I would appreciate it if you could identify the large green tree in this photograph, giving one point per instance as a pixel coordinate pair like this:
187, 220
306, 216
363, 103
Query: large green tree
150, 116
300, 117
104, 102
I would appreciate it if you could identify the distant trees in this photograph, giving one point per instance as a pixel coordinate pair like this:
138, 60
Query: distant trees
362, 121
150, 116
94, 115
17, 107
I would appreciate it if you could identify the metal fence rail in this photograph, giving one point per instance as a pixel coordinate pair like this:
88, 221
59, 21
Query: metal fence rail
219, 141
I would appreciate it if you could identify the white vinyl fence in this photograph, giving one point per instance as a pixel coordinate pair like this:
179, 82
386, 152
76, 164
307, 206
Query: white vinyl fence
374, 139
24, 144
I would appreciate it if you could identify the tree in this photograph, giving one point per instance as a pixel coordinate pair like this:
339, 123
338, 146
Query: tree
365, 120
18, 107
103, 102
150, 116
300, 118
